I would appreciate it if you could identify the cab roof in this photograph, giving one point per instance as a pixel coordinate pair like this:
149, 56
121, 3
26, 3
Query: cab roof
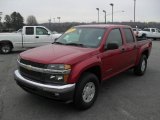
104, 26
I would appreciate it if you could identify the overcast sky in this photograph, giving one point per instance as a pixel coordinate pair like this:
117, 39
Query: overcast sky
83, 10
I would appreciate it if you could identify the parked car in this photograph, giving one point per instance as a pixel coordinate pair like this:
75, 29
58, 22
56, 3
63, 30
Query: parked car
153, 33
136, 32
27, 37
73, 67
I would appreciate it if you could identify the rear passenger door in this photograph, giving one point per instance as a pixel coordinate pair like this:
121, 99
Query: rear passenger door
113, 60
29, 37
130, 48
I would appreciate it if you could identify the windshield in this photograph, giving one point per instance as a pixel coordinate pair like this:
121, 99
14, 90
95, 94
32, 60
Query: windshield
81, 36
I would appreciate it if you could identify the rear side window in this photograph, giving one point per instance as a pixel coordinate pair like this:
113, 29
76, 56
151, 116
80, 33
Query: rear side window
114, 37
29, 30
128, 35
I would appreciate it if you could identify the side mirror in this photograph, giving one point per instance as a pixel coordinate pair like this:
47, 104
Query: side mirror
111, 46
49, 33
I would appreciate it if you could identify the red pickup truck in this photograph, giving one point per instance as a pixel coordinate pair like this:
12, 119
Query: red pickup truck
72, 68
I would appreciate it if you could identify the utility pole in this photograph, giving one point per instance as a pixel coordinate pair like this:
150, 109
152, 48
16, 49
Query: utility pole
59, 19
98, 13
49, 23
134, 10
0, 16
54, 20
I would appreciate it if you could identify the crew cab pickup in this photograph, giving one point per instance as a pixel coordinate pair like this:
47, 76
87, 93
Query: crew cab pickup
27, 37
153, 33
72, 68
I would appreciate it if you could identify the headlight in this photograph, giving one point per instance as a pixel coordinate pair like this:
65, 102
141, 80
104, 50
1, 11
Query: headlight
60, 73
59, 67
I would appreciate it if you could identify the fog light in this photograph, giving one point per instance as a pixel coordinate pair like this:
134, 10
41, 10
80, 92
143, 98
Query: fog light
52, 77
59, 78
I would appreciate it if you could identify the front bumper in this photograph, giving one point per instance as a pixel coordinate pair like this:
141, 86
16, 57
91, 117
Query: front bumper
57, 92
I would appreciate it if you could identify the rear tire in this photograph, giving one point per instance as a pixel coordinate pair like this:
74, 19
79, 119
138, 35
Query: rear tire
5, 48
86, 91
140, 69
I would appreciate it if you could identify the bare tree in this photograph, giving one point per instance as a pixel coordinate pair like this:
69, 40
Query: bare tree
31, 20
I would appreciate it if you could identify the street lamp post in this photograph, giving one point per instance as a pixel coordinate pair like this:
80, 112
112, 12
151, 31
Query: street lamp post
134, 10
98, 13
104, 15
112, 10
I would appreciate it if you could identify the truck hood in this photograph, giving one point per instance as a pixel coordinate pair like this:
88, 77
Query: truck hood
58, 54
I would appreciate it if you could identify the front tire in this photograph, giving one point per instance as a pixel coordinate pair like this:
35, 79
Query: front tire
5, 48
140, 69
144, 36
86, 91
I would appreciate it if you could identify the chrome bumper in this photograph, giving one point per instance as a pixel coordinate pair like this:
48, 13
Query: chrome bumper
45, 87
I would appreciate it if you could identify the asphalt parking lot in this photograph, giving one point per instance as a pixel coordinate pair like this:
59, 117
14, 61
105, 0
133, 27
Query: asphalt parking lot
124, 97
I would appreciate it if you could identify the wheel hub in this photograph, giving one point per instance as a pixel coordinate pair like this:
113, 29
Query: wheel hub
5, 49
88, 92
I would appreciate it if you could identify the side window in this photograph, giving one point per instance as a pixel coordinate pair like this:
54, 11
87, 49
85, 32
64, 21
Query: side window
29, 30
146, 29
153, 30
41, 31
114, 37
129, 35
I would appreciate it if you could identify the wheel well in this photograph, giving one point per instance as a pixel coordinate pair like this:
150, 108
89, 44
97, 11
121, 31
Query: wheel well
95, 70
6, 42
146, 52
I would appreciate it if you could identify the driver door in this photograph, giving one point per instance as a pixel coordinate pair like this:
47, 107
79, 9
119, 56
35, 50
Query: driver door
42, 37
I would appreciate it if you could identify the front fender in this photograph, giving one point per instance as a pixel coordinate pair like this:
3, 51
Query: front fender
79, 68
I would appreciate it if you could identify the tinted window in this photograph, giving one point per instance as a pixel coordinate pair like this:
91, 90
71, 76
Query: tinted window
29, 30
114, 37
41, 31
153, 30
129, 35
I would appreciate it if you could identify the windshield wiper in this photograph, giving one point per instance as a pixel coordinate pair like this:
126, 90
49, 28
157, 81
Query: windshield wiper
58, 43
75, 44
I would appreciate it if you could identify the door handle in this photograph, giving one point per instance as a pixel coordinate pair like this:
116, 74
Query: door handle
37, 36
123, 49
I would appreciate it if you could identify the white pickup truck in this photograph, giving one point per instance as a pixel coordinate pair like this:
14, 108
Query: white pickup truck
28, 37
150, 33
